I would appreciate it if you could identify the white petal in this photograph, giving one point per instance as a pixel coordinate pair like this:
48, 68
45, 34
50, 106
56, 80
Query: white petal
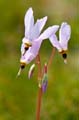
54, 41
48, 32
29, 22
41, 23
34, 32
64, 35
37, 28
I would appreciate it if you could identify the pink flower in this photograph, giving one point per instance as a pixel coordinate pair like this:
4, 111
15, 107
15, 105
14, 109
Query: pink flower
64, 36
32, 31
32, 41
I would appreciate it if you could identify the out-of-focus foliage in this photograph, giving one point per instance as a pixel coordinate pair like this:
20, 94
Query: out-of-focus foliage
18, 96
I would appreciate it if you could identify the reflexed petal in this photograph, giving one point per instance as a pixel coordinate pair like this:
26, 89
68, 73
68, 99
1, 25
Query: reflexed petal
48, 32
55, 42
29, 22
41, 23
64, 35
34, 32
36, 29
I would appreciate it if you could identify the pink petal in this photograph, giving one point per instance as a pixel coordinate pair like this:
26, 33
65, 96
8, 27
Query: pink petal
48, 32
36, 29
64, 35
41, 23
29, 22
55, 42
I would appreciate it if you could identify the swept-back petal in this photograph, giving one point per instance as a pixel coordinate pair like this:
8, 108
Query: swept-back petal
48, 32
41, 23
64, 35
37, 28
54, 41
29, 22
34, 32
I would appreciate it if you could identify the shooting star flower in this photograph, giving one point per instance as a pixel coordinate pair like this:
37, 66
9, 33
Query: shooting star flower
32, 31
64, 37
32, 41
33, 50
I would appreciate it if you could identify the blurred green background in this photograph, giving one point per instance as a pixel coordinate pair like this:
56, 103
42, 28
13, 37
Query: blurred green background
18, 97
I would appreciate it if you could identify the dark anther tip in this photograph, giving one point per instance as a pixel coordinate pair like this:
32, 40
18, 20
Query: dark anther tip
26, 48
64, 55
22, 66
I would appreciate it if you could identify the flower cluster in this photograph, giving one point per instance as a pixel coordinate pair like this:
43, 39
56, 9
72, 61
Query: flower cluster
33, 38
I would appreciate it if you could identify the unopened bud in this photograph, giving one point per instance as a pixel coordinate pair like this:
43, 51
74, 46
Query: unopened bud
31, 71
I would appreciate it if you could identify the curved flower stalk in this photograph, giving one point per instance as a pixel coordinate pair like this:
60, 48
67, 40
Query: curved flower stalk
64, 36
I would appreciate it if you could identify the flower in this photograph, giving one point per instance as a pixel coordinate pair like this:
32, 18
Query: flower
32, 31
33, 50
32, 41
64, 37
